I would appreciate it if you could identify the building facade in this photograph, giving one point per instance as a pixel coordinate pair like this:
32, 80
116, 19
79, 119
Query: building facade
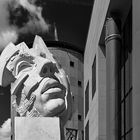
111, 72
72, 63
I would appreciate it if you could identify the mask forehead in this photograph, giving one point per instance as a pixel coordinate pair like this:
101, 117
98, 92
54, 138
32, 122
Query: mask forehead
6, 76
41, 49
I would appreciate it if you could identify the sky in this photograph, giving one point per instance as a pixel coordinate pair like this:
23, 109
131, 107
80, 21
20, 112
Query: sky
21, 20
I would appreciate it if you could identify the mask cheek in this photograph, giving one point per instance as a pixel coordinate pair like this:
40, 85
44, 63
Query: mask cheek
63, 79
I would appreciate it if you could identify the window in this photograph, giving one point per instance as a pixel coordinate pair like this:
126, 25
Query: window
87, 99
82, 135
73, 98
79, 117
71, 134
87, 131
79, 83
71, 63
94, 77
124, 114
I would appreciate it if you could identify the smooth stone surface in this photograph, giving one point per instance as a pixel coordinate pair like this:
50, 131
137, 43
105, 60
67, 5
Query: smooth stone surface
37, 128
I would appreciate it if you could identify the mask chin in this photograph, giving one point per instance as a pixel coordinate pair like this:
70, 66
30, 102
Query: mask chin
54, 107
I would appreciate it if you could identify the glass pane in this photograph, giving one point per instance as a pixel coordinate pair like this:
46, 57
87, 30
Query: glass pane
122, 83
129, 136
130, 69
122, 119
128, 112
87, 131
122, 138
94, 77
87, 99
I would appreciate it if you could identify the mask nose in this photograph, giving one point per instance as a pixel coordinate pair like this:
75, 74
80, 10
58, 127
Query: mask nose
46, 68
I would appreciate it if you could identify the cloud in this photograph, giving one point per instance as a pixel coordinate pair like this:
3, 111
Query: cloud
35, 22
3, 14
7, 34
22, 17
5, 130
6, 37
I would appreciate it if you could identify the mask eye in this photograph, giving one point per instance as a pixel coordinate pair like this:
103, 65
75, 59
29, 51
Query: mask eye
23, 66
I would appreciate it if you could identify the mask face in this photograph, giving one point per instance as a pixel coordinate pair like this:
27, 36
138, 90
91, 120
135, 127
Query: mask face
39, 86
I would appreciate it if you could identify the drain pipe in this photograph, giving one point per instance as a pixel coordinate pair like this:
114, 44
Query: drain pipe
113, 57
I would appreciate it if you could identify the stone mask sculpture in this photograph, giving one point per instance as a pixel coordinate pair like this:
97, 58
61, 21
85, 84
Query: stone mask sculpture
39, 86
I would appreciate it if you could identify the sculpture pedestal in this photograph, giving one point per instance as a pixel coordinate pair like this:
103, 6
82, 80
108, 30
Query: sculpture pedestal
37, 128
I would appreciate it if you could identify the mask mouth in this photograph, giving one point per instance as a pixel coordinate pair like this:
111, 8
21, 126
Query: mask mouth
53, 89
50, 83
